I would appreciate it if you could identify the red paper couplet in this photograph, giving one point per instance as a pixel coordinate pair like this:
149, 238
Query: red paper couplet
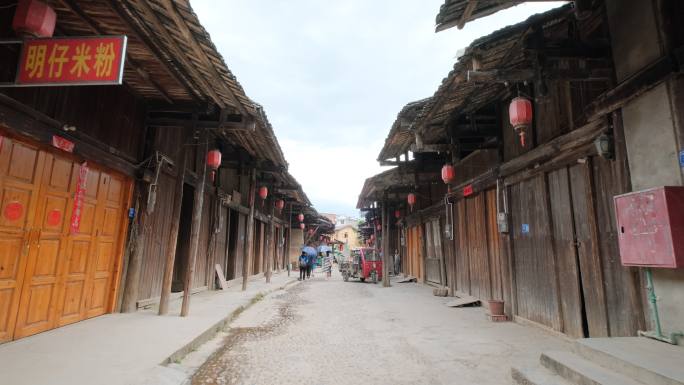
78, 198
14, 210
54, 217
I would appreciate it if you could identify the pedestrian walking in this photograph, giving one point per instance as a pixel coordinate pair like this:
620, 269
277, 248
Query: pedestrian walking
327, 264
303, 266
311, 264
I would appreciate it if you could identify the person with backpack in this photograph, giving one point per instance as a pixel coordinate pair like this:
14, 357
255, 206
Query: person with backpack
303, 266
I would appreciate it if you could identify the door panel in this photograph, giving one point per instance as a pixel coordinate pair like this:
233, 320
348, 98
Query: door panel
20, 178
40, 292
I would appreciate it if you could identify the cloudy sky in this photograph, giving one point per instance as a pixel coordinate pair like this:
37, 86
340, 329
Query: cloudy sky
332, 75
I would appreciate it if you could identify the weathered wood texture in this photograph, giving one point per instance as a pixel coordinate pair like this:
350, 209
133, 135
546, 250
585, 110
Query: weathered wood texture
532, 246
115, 117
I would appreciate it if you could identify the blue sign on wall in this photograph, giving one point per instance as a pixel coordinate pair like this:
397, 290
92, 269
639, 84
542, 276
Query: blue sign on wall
525, 228
681, 158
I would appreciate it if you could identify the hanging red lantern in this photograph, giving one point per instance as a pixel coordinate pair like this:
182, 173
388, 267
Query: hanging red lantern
520, 115
378, 227
34, 18
411, 199
302, 226
263, 192
397, 214
213, 161
279, 205
341, 246
448, 173
300, 217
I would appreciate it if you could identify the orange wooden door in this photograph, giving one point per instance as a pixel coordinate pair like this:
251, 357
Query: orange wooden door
48, 276
20, 177
110, 216
80, 248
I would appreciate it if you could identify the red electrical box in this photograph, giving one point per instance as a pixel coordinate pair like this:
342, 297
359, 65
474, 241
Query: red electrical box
650, 227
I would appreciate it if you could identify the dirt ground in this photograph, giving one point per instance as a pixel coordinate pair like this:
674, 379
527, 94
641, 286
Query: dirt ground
333, 332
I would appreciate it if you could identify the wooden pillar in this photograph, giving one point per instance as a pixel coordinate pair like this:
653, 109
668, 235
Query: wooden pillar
385, 243
197, 211
130, 294
173, 235
249, 242
269, 243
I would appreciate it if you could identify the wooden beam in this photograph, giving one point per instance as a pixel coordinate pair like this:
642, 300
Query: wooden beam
432, 148
172, 239
528, 75
467, 12
195, 231
634, 86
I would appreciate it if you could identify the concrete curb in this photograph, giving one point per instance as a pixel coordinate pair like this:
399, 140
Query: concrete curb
210, 333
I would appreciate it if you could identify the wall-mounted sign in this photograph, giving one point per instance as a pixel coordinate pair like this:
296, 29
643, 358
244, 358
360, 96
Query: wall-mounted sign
681, 158
72, 61
468, 190
62, 144
525, 228
78, 199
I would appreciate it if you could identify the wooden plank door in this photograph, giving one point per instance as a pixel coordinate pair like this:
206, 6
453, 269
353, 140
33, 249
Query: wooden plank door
109, 216
432, 268
21, 168
588, 250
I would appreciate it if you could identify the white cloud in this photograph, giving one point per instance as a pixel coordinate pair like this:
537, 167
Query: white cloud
333, 75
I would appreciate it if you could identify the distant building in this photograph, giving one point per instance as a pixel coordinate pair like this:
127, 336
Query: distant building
348, 234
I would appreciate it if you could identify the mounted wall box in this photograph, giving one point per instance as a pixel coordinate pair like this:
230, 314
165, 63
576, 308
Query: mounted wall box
650, 225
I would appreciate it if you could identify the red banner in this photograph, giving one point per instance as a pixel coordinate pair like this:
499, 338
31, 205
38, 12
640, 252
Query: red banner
65, 61
78, 199
468, 190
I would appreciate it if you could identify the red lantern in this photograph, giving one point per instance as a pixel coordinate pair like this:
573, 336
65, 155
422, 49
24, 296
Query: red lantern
397, 214
378, 227
341, 246
263, 192
34, 18
213, 161
302, 226
280, 204
520, 115
300, 217
448, 173
411, 199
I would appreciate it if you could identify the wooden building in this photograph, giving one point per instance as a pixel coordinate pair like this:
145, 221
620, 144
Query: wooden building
530, 224
155, 222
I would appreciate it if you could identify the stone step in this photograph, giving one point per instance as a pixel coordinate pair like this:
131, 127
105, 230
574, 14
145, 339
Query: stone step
582, 372
643, 359
536, 376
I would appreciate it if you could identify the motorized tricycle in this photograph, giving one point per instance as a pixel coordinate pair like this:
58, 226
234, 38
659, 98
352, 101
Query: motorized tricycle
363, 263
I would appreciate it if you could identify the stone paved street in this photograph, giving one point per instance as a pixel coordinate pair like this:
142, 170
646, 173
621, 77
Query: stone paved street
331, 332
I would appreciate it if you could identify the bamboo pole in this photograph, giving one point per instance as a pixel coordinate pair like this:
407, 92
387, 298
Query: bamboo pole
195, 232
249, 247
173, 235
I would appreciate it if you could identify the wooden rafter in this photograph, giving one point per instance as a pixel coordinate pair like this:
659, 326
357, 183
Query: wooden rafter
200, 54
